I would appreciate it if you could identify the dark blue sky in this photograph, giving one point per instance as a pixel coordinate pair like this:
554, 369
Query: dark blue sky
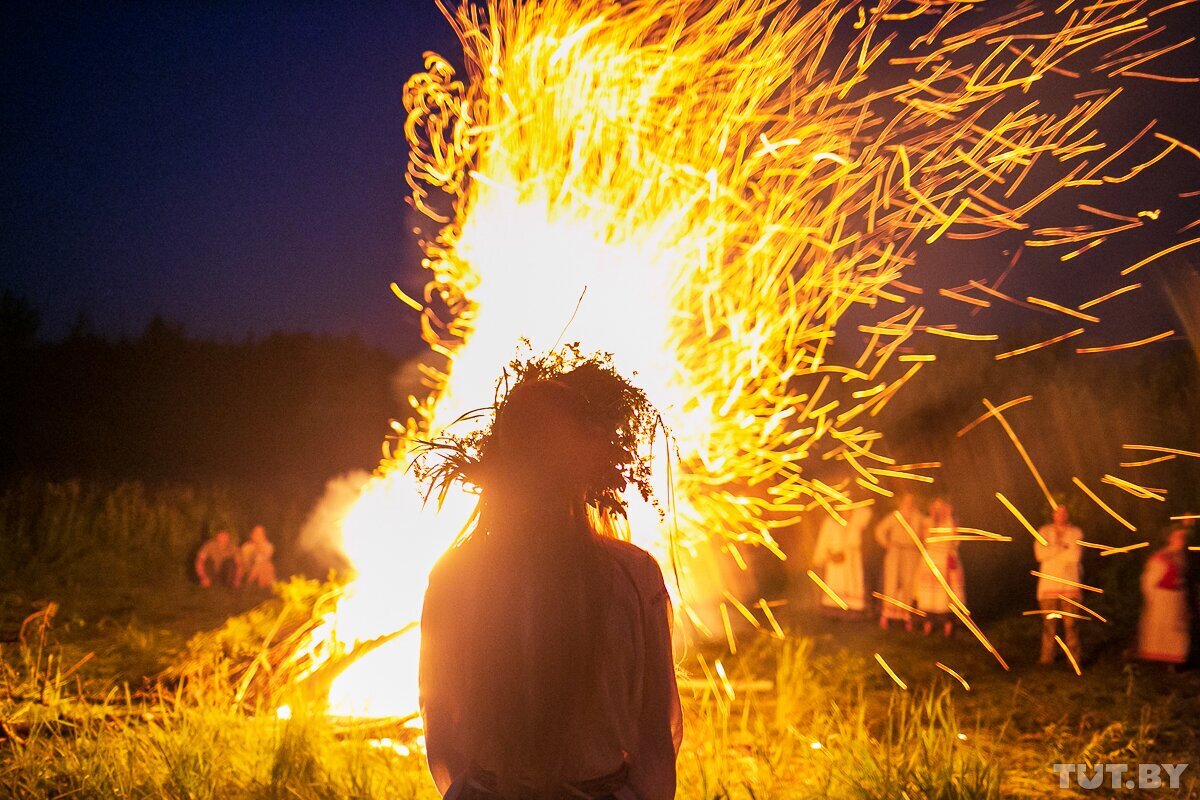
239, 168
235, 167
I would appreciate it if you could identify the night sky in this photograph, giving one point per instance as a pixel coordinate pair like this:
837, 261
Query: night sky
239, 168
235, 167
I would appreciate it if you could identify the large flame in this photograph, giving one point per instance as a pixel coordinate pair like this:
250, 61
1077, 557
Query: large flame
705, 189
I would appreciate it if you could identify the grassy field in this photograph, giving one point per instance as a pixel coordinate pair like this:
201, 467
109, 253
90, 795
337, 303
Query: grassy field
811, 716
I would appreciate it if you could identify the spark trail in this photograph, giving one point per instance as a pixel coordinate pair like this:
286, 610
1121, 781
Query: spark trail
709, 190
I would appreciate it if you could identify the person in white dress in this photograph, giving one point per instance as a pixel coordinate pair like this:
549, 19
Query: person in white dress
901, 560
943, 552
1163, 634
838, 558
1059, 560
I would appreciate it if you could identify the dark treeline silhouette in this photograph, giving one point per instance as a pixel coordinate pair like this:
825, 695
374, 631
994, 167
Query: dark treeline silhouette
267, 421
284, 412
208, 433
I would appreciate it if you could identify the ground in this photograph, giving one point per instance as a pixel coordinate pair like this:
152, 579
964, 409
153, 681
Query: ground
813, 716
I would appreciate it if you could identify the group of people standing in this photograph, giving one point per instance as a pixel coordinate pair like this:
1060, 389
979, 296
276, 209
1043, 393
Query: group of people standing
910, 587
907, 581
1170, 602
223, 561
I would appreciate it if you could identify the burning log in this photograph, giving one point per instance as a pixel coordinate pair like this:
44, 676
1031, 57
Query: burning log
318, 682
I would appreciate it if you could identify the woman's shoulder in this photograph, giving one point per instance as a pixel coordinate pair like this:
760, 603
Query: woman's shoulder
628, 552
1165, 555
641, 567
453, 565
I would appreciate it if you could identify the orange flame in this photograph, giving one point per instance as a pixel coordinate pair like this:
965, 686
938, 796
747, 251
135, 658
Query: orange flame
705, 189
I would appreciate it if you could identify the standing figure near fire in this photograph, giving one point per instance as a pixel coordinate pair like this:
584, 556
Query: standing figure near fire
219, 560
258, 556
546, 664
901, 560
1058, 561
839, 559
943, 552
1163, 628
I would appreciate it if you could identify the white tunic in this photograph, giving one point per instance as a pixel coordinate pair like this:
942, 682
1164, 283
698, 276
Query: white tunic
901, 562
931, 595
838, 558
1059, 557
1163, 627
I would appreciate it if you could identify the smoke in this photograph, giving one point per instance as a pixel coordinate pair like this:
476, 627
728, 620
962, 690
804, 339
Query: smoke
408, 381
321, 538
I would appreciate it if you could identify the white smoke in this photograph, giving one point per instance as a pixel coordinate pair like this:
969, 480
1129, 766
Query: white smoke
321, 537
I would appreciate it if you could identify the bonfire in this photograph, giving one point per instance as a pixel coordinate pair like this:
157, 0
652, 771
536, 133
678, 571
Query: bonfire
733, 199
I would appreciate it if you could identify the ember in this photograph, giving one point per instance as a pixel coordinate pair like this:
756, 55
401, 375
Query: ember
707, 191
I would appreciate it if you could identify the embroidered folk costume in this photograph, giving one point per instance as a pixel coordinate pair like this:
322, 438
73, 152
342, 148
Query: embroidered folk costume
942, 549
1163, 633
901, 560
838, 558
1059, 560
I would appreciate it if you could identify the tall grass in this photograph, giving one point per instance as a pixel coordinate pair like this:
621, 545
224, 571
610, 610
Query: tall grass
823, 727
194, 744
56, 742
161, 751
816, 733
74, 530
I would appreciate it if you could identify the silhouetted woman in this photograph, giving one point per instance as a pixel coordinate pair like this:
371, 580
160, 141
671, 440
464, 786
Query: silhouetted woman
546, 665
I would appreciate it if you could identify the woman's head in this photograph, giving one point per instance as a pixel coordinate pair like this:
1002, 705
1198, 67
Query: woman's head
1175, 537
940, 508
545, 438
568, 431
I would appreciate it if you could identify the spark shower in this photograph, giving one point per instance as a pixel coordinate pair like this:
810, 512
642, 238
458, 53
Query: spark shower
709, 190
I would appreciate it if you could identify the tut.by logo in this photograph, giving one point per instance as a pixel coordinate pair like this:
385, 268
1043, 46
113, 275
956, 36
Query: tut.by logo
1120, 776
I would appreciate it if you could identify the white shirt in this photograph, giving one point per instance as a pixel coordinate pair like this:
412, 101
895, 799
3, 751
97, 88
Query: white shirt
1058, 557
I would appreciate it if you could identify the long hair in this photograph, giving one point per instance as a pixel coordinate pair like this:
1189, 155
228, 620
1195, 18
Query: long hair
549, 472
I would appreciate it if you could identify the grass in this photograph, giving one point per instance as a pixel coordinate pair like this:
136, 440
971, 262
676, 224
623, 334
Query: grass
67, 732
821, 733
89, 707
812, 716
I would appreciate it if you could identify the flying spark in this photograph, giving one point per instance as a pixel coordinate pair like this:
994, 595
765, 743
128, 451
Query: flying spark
712, 190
